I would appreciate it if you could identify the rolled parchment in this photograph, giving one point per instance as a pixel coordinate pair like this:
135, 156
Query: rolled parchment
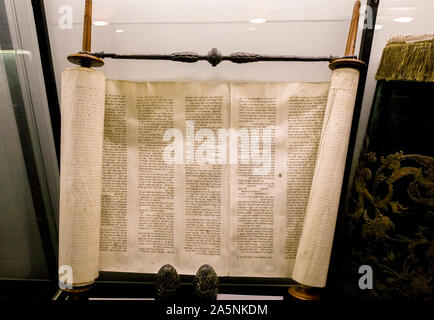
314, 250
82, 116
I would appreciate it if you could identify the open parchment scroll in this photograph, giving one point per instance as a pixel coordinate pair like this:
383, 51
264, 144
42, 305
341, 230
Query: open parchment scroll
243, 176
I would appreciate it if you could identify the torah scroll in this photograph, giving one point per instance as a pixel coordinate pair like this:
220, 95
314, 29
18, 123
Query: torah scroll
243, 176
82, 127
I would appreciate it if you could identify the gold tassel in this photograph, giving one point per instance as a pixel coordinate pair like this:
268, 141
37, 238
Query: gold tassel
405, 58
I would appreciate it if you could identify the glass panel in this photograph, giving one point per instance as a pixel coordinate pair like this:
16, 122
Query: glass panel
21, 253
290, 27
308, 27
28, 165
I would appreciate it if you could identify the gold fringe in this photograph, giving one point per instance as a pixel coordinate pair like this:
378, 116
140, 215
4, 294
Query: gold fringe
404, 60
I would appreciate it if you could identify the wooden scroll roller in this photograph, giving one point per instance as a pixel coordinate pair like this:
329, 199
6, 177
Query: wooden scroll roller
351, 44
302, 291
84, 58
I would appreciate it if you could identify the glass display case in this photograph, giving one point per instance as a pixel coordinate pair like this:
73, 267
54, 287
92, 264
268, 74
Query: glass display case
37, 36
